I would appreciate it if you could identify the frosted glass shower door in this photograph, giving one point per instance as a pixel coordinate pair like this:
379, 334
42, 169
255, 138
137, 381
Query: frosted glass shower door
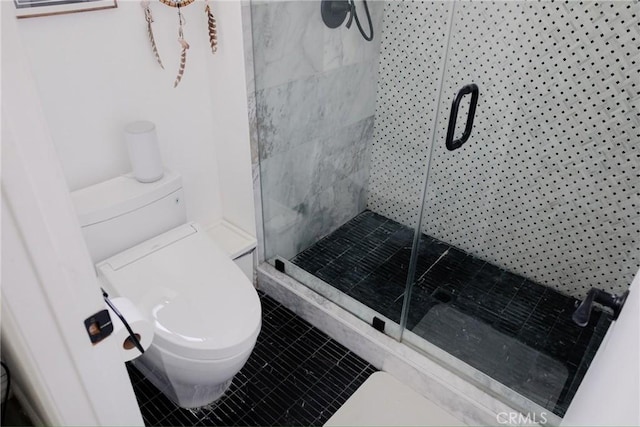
540, 203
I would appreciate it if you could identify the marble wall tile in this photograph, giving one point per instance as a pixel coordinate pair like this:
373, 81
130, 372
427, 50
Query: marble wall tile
349, 93
345, 46
288, 41
312, 167
288, 115
291, 229
343, 154
288, 177
253, 127
315, 95
294, 113
281, 228
291, 41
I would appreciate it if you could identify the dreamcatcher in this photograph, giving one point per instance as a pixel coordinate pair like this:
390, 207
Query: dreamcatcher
178, 4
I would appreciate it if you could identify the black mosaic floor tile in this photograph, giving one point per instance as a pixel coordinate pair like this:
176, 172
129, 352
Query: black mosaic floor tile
373, 269
296, 375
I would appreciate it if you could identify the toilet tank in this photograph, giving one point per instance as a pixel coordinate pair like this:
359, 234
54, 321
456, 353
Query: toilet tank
120, 213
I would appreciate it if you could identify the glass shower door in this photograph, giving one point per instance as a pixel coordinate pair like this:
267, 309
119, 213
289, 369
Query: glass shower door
316, 108
535, 207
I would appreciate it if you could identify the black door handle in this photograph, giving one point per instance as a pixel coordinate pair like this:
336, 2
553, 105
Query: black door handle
472, 89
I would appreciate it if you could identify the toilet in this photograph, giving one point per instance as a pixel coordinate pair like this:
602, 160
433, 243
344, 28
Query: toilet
205, 311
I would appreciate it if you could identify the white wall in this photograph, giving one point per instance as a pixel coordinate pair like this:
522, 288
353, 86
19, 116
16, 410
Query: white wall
228, 90
610, 391
95, 72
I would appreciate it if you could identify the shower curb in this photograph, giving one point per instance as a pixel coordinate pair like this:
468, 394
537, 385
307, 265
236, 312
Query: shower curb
458, 396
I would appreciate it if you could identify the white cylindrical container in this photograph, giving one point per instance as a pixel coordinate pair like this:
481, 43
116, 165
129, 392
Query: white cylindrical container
144, 153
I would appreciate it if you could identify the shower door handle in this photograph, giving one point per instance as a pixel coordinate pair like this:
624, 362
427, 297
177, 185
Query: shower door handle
472, 89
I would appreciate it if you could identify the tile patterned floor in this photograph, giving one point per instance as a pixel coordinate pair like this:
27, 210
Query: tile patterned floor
368, 258
296, 375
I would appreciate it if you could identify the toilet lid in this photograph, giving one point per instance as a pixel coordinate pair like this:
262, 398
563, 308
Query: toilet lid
202, 304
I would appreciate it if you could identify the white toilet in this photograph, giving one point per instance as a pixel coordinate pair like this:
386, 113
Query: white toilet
205, 310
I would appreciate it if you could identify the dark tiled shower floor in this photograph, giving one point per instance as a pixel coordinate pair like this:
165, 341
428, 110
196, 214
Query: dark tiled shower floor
296, 375
367, 258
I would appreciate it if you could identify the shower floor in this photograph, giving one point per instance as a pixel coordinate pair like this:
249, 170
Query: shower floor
512, 329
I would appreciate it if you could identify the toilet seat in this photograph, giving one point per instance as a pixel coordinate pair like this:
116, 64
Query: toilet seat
202, 304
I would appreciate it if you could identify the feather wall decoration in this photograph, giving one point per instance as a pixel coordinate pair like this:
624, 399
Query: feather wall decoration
178, 4
213, 28
183, 52
149, 19
183, 61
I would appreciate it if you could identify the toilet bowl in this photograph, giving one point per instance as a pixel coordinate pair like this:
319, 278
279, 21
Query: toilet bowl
206, 313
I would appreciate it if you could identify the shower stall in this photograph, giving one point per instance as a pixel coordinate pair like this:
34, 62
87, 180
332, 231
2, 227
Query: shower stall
462, 180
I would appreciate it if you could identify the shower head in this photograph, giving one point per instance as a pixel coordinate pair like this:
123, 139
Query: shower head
334, 12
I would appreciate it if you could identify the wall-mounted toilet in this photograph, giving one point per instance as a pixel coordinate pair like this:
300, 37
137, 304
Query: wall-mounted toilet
205, 310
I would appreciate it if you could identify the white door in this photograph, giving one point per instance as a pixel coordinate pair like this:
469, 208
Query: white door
48, 283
